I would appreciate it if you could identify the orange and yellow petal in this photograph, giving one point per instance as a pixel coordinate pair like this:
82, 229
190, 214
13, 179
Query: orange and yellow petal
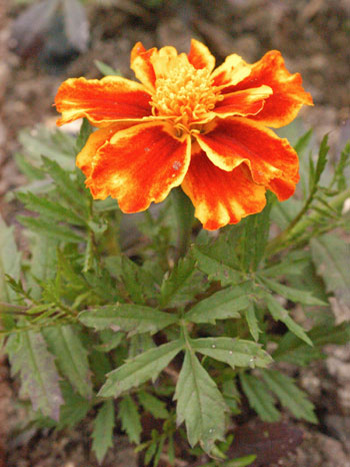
239, 140
139, 165
95, 141
232, 71
141, 65
200, 57
102, 101
242, 103
288, 94
221, 197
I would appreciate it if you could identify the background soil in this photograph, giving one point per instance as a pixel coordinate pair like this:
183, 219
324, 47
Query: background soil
314, 38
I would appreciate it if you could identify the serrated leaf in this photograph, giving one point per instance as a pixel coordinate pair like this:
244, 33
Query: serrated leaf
259, 398
102, 434
130, 419
331, 256
136, 371
219, 261
291, 349
9, 261
43, 263
83, 136
280, 314
49, 209
224, 304
199, 404
66, 186
76, 24
295, 295
290, 396
29, 170
153, 405
55, 231
126, 317
255, 236
182, 284
74, 409
252, 321
234, 352
321, 160
55, 145
40, 381
71, 356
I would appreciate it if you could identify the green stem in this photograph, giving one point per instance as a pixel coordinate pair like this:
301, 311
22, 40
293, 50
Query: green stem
300, 223
184, 212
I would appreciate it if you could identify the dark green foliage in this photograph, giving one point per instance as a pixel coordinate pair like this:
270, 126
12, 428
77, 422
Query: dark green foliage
176, 331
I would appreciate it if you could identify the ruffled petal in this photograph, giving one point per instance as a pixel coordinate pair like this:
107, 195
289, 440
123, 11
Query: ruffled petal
95, 141
200, 57
271, 160
141, 65
102, 101
221, 197
232, 71
242, 103
288, 94
139, 165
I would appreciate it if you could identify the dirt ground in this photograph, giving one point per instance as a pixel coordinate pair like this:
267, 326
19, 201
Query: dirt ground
314, 38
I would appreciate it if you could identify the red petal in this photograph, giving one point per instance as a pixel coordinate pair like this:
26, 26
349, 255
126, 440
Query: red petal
237, 140
139, 165
200, 56
243, 103
221, 197
288, 94
102, 101
143, 68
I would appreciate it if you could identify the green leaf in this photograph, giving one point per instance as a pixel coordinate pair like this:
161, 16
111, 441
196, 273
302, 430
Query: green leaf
321, 163
255, 236
55, 231
221, 305
153, 405
43, 263
49, 209
102, 434
331, 256
219, 261
130, 318
130, 418
252, 321
290, 396
182, 284
30, 358
67, 187
55, 145
74, 409
9, 261
105, 69
84, 133
65, 344
280, 314
234, 352
259, 398
184, 212
136, 371
295, 295
29, 170
200, 404
293, 350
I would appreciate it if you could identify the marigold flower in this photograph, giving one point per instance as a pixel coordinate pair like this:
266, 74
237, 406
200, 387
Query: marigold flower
190, 125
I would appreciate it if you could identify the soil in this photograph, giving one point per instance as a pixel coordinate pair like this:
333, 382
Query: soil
313, 36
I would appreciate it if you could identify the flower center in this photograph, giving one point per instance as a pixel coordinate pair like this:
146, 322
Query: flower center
186, 93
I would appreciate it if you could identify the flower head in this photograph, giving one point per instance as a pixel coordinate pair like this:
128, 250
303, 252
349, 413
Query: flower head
190, 125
